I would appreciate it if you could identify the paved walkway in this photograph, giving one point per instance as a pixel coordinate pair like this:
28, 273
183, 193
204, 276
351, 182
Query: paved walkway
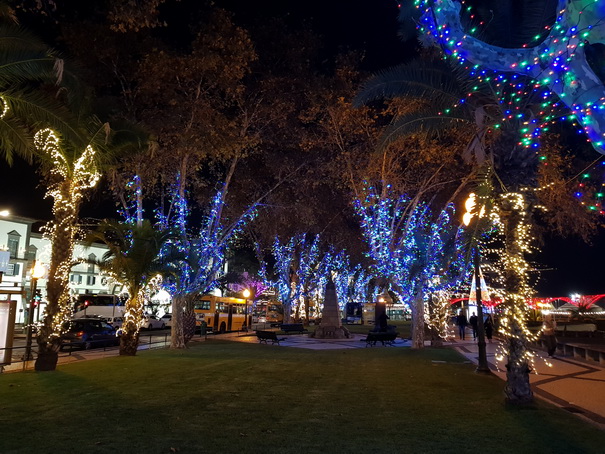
578, 386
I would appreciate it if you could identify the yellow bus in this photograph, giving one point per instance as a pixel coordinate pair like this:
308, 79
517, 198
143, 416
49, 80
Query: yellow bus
221, 313
267, 312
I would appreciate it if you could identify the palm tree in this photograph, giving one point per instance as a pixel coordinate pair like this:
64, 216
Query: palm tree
70, 174
35, 89
133, 259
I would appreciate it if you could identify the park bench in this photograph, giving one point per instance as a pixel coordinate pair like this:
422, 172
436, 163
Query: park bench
385, 338
264, 336
292, 328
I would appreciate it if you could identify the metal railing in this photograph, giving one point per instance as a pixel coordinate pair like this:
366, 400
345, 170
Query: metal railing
20, 363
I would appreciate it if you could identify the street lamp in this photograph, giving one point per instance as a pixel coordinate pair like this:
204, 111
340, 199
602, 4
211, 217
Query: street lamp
246, 294
471, 213
38, 271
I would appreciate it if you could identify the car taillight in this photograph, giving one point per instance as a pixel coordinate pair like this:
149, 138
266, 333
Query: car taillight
80, 333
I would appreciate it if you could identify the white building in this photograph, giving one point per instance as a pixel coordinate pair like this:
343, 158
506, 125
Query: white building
17, 236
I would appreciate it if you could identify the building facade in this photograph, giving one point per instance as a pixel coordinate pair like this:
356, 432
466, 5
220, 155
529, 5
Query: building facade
19, 238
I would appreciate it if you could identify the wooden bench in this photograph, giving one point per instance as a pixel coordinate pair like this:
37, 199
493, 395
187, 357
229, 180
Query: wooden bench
292, 327
386, 338
264, 336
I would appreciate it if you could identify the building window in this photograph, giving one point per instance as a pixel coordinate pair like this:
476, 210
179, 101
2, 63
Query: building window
90, 280
91, 266
12, 269
76, 279
13, 243
31, 253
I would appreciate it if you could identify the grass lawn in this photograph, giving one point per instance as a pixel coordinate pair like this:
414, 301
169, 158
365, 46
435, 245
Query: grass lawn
230, 397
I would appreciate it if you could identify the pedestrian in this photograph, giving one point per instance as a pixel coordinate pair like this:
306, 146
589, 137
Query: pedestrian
548, 331
488, 326
461, 321
473, 321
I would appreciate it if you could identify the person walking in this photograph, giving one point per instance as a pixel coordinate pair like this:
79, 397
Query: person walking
488, 326
461, 321
473, 321
548, 330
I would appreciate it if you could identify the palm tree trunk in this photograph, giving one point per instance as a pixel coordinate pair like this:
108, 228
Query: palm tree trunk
58, 309
129, 342
133, 316
518, 390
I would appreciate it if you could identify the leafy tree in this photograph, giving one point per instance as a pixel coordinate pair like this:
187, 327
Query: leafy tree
203, 254
417, 251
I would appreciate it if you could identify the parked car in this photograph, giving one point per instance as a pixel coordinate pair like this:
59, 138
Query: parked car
117, 322
167, 319
88, 333
152, 322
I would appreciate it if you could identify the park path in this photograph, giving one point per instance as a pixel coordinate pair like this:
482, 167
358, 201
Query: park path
577, 386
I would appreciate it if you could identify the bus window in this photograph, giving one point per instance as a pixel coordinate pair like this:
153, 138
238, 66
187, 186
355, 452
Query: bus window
223, 308
203, 305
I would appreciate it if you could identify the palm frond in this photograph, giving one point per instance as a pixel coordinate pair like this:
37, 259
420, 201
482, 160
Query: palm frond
420, 79
15, 139
427, 121
42, 111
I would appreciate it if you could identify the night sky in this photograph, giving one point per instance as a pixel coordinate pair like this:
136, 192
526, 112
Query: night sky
571, 266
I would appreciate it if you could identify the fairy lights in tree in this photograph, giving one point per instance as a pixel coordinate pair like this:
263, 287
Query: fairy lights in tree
554, 64
198, 256
284, 263
417, 252
301, 273
4, 107
507, 244
69, 181
133, 211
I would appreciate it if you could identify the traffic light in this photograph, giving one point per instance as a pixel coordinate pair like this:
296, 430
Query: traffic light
37, 297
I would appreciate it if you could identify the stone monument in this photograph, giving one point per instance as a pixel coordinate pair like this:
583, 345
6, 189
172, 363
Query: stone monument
331, 326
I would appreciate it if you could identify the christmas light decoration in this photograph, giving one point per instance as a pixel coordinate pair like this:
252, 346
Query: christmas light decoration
4, 107
555, 64
418, 252
197, 257
69, 181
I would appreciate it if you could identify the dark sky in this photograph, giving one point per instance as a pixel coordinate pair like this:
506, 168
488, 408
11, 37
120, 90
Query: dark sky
572, 266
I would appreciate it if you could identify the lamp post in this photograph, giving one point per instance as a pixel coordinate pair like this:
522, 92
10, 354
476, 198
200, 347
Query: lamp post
246, 294
37, 272
471, 213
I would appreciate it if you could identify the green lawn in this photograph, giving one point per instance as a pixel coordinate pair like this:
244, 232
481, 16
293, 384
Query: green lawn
229, 397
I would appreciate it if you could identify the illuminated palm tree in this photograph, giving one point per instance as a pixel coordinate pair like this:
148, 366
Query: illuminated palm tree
33, 93
133, 259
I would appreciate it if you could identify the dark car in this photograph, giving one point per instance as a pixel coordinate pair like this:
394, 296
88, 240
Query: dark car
89, 333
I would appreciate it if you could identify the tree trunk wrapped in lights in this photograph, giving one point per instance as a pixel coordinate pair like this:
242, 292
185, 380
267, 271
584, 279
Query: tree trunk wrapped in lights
69, 180
517, 240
